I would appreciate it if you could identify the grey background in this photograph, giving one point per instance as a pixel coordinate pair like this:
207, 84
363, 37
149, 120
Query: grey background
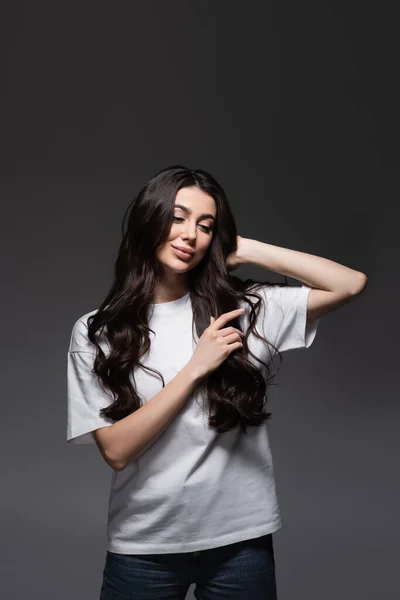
293, 107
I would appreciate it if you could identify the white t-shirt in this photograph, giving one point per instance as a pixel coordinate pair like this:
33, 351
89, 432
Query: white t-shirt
193, 488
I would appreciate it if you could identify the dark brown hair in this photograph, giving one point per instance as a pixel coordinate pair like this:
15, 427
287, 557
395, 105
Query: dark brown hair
236, 391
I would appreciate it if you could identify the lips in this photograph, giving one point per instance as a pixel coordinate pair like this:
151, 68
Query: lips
188, 251
182, 255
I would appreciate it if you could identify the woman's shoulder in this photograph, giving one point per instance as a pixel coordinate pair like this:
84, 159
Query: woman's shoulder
79, 341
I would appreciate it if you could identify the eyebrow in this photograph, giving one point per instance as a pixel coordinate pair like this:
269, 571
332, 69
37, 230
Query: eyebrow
189, 212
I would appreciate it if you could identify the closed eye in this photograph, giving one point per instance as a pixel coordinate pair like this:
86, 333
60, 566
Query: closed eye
208, 229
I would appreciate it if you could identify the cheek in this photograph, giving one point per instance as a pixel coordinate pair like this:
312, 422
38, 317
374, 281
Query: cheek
202, 251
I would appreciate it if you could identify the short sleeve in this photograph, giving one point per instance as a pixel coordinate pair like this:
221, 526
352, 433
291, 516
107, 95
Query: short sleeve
84, 394
285, 322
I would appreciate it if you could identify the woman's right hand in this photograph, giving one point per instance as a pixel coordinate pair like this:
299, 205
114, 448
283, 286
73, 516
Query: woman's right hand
216, 344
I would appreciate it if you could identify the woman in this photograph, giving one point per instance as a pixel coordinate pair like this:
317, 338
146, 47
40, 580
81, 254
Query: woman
178, 337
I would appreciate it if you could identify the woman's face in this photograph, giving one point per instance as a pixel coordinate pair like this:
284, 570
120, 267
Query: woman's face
192, 228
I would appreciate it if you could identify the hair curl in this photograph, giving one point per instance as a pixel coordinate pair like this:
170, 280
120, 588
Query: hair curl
236, 391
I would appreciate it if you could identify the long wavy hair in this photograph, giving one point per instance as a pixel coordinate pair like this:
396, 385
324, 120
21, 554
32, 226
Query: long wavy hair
236, 391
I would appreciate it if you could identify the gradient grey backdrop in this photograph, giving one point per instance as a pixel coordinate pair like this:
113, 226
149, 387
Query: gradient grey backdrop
292, 106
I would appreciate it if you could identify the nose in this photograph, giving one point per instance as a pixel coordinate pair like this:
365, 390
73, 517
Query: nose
189, 233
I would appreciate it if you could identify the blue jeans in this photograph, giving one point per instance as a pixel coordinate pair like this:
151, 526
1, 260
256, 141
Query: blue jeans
241, 571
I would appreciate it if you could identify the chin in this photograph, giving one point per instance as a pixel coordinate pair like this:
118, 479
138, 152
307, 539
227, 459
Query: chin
173, 266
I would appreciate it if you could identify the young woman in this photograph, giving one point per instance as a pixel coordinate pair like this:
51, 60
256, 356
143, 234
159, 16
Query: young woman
169, 377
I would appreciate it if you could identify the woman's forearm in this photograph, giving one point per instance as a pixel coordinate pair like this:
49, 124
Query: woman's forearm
312, 270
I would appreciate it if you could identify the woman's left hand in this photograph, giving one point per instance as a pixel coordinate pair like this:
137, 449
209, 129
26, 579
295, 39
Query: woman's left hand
234, 259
